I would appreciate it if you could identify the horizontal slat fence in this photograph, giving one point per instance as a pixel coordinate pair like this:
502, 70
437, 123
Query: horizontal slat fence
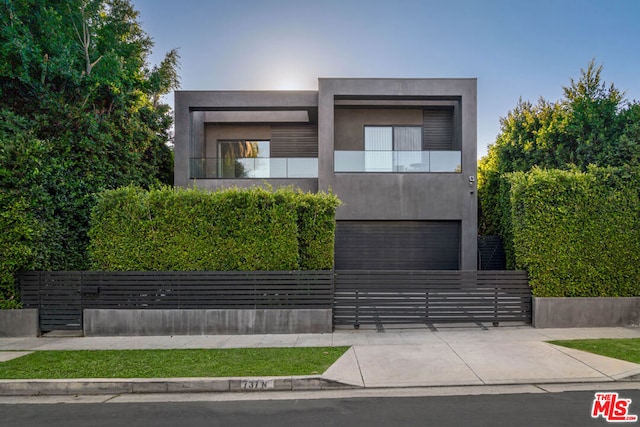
56, 295
356, 296
430, 297
61, 296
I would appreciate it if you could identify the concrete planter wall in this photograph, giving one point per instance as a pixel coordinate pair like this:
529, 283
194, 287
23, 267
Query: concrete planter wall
585, 312
111, 322
19, 323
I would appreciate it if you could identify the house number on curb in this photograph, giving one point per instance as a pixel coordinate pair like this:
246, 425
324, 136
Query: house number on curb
256, 384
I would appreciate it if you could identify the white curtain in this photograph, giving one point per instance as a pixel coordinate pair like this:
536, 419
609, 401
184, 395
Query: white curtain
378, 146
407, 138
407, 141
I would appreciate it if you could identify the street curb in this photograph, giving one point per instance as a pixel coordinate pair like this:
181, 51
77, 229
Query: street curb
630, 378
96, 386
119, 386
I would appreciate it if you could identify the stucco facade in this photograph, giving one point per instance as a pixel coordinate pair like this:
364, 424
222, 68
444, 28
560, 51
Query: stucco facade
400, 154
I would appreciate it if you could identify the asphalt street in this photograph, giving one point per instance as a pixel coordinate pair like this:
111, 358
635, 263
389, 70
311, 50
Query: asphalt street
571, 408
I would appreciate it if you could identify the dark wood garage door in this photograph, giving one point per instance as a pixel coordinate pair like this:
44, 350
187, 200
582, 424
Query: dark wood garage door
397, 245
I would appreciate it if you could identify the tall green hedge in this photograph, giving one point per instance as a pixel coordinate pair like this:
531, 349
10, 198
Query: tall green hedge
18, 230
316, 230
578, 233
170, 229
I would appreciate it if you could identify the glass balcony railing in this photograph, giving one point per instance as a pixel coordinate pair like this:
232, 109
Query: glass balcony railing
397, 161
214, 168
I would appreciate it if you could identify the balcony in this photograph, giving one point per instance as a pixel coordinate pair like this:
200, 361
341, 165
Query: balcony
397, 161
239, 168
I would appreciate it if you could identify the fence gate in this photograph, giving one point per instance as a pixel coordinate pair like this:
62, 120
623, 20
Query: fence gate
57, 294
430, 297
359, 297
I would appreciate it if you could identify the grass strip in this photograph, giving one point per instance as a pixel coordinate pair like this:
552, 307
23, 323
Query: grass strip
236, 362
619, 348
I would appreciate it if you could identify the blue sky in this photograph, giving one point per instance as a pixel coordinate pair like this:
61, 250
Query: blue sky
527, 49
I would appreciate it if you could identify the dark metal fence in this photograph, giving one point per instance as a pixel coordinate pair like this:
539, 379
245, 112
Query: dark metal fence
56, 295
491, 254
61, 296
356, 296
430, 297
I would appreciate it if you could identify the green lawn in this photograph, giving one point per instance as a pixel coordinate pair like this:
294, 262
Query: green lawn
619, 348
171, 363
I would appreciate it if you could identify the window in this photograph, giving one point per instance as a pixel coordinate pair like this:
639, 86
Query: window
378, 147
407, 142
393, 149
251, 159
400, 149
243, 159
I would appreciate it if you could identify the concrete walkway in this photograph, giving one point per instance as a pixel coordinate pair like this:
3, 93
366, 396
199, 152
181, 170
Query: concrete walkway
417, 357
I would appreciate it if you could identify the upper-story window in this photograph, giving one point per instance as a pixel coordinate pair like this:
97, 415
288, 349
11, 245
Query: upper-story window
429, 142
253, 150
243, 159
393, 148
251, 159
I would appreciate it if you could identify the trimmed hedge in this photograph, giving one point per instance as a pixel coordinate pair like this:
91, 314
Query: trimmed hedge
578, 234
18, 230
316, 229
168, 229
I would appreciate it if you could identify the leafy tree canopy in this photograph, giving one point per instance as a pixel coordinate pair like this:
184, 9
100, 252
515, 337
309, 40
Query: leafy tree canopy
593, 124
80, 111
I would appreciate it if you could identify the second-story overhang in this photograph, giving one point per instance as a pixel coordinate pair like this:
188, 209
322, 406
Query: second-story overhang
250, 106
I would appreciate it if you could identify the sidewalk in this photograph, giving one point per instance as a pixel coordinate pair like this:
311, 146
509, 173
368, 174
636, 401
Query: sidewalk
448, 356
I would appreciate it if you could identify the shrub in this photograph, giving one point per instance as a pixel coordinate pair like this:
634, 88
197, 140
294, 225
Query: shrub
18, 229
316, 229
235, 229
578, 233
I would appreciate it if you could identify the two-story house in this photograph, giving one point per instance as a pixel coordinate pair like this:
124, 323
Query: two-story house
399, 153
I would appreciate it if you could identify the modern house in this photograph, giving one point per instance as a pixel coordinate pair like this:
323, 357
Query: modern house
399, 153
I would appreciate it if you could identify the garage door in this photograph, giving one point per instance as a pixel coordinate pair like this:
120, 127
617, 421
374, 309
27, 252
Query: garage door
397, 245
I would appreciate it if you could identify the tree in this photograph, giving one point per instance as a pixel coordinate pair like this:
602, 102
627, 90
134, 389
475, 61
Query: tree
80, 112
592, 125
